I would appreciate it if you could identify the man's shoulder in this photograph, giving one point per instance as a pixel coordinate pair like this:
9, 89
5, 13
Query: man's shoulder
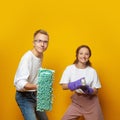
27, 54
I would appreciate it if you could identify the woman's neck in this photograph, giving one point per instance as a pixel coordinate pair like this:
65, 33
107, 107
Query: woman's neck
80, 65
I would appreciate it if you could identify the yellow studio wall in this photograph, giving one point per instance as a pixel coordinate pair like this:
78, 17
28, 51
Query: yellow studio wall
70, 24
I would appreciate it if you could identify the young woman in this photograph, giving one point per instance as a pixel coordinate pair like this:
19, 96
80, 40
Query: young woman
81, 78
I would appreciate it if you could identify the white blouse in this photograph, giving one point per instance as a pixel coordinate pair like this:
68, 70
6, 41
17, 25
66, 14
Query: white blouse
72, 73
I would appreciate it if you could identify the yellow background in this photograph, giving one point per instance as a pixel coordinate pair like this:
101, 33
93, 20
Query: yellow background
70, 23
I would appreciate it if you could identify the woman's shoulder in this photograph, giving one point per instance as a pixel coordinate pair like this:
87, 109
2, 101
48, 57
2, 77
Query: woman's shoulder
71, 66
91, 69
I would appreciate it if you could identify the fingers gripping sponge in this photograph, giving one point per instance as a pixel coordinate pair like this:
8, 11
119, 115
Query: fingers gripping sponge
45, 90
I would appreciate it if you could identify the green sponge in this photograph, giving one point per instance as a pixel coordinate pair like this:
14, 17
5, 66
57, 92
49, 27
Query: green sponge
45, 89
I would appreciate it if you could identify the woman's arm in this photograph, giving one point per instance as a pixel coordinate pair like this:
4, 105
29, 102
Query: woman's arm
64, 86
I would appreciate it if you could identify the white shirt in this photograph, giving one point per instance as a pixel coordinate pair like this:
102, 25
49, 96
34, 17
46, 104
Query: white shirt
72, 73
27, 71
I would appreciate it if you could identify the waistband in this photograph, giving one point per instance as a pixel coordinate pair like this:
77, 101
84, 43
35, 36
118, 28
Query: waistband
26, 91
80, 94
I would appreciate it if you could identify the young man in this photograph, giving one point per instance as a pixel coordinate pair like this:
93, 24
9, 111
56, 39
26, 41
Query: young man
25, 79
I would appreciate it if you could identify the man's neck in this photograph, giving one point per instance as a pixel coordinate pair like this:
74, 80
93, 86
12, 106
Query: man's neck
39, 55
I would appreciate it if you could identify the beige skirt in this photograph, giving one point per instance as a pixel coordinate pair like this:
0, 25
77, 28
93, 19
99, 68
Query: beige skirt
84, 105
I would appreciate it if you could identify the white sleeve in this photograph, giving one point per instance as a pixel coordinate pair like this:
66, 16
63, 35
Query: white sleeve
65, 76
22, 73
96, 82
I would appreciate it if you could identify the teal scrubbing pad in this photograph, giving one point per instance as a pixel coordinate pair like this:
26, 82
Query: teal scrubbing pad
45, 90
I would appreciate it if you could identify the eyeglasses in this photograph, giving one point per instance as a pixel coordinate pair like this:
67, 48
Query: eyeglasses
41, 41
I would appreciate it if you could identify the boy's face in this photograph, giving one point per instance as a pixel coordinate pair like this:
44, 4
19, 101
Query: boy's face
40, 42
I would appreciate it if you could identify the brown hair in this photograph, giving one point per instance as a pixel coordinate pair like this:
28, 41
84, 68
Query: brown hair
77, 52
42, 32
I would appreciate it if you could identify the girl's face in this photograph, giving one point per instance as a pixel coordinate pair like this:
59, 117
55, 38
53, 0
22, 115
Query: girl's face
83, 55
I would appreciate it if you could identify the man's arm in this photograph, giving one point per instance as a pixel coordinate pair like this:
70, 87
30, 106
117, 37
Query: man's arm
30, 86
